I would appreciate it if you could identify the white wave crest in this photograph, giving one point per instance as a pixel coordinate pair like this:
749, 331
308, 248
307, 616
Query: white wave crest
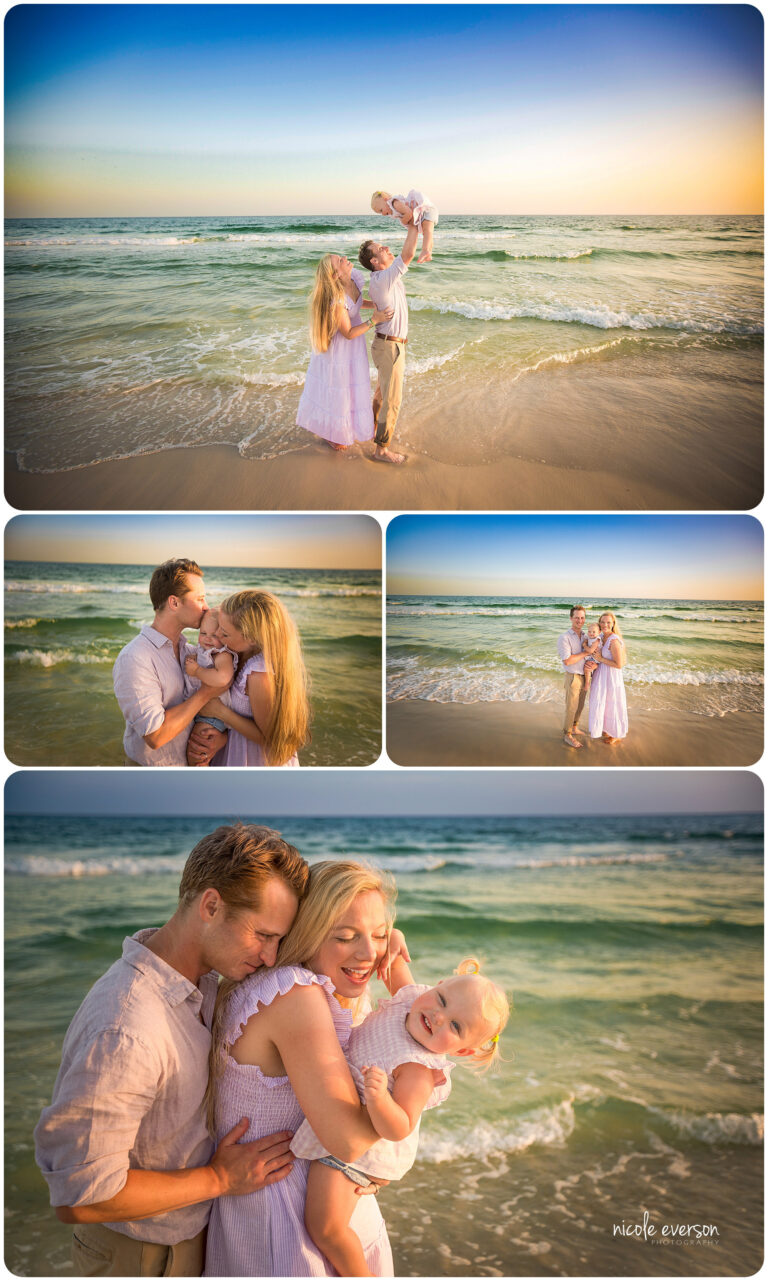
17, 623
76, 589
53, 657
716, 1127
543, 1127
599, 316
120, 865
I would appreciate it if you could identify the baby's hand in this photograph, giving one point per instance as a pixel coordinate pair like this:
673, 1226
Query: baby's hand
374, 1083
190, 666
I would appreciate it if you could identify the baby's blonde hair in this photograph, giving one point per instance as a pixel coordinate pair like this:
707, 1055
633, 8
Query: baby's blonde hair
380, 195
211, 612
495, 1010
264, 621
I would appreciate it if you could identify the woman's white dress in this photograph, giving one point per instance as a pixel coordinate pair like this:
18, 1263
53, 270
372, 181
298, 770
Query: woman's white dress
240, 750
336, 402
607, 700
262, 1234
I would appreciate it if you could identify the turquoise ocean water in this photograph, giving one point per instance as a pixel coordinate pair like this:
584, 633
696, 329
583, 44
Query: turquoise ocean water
137, 334
632, 948
65, 624
698, 656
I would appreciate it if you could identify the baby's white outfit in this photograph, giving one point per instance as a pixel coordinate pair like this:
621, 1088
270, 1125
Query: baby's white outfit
382, 1040
204, 657
420, 205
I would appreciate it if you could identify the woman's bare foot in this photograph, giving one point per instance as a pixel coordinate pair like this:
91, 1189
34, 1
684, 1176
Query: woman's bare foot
609, 742
570, 741
339, 448
382, 455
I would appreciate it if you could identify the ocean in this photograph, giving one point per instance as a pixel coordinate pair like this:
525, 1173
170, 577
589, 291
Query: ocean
139, 334
699, 656
633, 950
65, 624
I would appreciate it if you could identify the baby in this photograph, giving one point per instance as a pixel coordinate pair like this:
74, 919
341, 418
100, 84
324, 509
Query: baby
397, 1058
212, 665
589, 646
415, 207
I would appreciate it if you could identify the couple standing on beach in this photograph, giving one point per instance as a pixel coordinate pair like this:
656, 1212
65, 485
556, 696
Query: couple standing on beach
593, 665
336, 401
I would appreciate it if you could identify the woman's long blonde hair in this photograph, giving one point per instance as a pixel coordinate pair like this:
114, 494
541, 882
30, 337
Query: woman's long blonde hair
333, 886
266, 623
328, 292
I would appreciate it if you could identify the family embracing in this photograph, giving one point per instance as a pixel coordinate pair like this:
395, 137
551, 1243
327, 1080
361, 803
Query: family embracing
239, 697
593, 663
238, 1128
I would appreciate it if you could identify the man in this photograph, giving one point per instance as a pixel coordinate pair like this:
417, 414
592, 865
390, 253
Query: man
569, 648
148, 674
388, 347
124, 1145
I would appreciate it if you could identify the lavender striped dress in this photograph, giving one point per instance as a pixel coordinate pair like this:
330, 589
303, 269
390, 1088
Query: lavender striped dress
263, 1234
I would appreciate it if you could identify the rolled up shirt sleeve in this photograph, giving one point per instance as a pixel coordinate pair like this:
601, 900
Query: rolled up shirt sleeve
84, 1140
563, 648
139, 692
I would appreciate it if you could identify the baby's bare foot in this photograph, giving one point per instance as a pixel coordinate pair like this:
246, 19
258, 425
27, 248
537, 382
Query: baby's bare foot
425, 255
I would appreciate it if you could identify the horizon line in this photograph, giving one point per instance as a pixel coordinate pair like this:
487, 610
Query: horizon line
286, 214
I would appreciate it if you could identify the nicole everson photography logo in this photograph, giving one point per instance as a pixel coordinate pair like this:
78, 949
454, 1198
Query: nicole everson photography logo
667, 1233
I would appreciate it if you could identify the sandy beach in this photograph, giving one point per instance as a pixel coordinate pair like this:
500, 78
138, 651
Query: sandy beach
216, 477
439, 734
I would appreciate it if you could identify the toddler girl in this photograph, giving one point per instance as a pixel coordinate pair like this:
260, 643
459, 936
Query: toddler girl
415, 207
590, 643
397, 1058
212, 665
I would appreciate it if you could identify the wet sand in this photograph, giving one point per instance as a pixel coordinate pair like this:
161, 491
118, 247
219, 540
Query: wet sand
562, 439
216, 477
439, 734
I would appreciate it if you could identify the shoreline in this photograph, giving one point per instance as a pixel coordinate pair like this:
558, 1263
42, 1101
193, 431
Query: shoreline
626, 439
530, 734
217, 477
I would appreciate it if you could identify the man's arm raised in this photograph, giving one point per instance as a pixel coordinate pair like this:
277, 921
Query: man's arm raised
409, 246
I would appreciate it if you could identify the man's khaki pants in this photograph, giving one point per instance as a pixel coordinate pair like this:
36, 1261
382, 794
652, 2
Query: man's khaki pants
100, 1252
389, 359
575, 696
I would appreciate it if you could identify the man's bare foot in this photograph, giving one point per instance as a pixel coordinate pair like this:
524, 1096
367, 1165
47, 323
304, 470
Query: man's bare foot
570, 741
425, 256
388, 456
576, 730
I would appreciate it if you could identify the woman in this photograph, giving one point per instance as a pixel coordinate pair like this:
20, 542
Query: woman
336, 400
276, 1058
268, 715
607, 700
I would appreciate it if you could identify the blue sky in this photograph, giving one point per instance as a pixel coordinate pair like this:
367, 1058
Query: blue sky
670, 557
253, 541
361, 792
498, 108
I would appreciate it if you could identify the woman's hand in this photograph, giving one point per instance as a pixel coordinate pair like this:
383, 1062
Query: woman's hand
380, 317
396, 946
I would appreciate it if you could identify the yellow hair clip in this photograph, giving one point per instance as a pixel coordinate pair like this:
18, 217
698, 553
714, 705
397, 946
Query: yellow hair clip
494, 1039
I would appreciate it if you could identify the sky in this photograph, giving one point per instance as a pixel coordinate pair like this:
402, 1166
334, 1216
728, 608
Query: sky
608, 557
262, 109
377, 792
271, 542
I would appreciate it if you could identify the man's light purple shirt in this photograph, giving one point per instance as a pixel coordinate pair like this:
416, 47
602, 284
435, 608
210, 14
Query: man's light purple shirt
148, 678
